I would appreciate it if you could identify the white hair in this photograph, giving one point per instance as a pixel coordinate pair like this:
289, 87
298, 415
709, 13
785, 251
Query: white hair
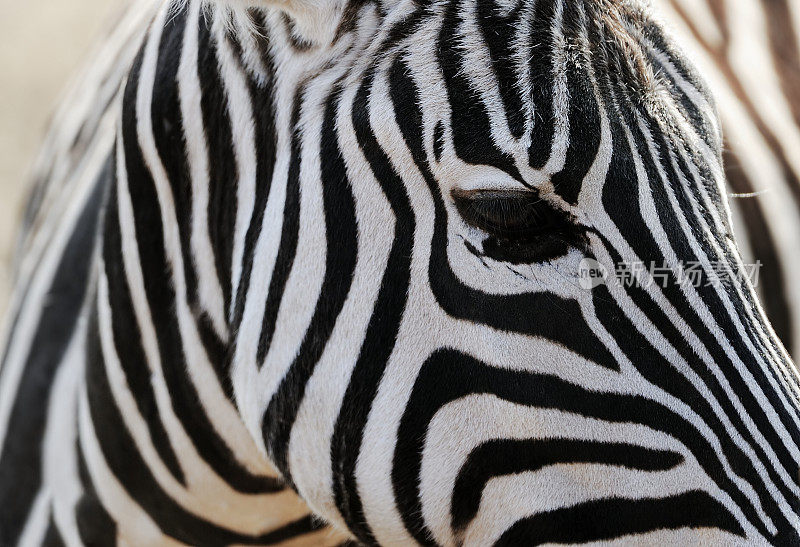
314, 21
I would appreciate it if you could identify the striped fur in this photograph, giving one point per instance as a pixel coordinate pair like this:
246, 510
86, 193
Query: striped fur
312, 276
749, 53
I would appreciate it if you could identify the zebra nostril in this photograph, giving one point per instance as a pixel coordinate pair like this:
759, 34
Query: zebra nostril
522, 227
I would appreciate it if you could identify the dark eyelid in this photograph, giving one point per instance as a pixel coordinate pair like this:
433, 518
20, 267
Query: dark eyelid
460, 194
509, 213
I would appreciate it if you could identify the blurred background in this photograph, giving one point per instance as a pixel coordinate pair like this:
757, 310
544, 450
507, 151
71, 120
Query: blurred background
41, 44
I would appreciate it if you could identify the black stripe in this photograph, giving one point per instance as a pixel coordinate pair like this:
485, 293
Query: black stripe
620, 200
21, 456
699, 119
341, 233
614, 518
52, 537
661, 373
742, 302
584, 115
168, 134
499, 34
261, 98
223, 170
510, 457
687, 72
622, 205
167, 122
383, 328
541, 72
470, 122
287, 250
772, 283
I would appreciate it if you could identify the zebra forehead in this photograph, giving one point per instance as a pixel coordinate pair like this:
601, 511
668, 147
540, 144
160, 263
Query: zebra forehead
626, 24
597, 42
601, 36
518, 59
615, 28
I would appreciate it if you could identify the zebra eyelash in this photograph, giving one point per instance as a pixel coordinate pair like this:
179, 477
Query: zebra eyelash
522, 227
510, 213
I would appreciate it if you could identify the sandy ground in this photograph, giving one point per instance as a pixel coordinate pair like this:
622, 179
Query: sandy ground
41, 43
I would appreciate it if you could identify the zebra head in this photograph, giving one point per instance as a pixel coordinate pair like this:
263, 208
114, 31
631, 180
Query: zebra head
429, 335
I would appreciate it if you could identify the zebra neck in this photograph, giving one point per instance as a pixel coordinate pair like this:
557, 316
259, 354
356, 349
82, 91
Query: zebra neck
166, 455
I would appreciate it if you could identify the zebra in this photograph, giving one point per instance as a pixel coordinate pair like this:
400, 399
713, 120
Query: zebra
310, 273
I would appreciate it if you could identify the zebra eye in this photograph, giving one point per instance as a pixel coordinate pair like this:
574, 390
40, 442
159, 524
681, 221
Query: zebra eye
523, 228
508, 213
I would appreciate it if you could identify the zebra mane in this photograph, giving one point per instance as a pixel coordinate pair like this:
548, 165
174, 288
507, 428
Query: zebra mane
625, 24
311, 21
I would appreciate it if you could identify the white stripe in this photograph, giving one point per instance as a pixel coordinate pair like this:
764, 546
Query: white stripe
60, 467
243, 128
38, 520
208, 285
